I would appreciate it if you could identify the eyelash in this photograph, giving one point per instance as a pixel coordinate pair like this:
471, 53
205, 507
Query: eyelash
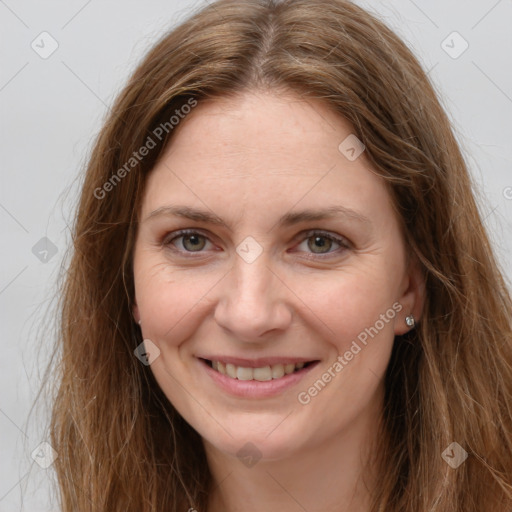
344, 244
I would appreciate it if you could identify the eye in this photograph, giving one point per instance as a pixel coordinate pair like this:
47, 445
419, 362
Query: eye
191, 241
320, 243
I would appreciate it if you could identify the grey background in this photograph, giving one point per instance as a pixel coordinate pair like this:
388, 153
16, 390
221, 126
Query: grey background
51, 109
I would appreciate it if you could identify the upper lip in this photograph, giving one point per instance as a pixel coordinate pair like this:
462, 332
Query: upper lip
258, 362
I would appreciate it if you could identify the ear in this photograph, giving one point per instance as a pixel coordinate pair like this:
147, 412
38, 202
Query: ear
135, 311
413, 296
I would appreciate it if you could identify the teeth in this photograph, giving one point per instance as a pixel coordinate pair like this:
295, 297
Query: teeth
277, 371
261, 374
231, 370
289, 368
244, 373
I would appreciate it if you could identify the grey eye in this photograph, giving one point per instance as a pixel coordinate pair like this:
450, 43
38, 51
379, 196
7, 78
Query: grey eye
193, 242
320, 242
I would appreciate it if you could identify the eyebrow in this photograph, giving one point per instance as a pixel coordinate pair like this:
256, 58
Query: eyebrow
288, 219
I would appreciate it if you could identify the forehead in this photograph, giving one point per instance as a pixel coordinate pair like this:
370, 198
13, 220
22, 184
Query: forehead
264, 153
261, 127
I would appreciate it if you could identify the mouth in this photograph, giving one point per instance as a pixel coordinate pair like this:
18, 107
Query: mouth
261, 373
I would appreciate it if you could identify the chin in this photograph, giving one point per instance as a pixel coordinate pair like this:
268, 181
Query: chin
260, 439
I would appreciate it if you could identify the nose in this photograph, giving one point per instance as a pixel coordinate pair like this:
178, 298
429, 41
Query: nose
253, 302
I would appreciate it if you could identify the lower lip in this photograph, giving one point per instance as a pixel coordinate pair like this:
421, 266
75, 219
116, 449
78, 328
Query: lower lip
255, 388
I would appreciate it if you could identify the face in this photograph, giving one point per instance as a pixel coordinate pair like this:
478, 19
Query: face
270, 274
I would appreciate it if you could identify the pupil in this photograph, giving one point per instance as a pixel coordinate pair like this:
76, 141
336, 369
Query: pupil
320, 241
193, 240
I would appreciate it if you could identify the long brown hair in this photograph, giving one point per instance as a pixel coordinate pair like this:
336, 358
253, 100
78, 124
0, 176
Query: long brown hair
121, 444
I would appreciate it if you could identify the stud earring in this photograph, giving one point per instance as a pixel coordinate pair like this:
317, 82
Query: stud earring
409, 320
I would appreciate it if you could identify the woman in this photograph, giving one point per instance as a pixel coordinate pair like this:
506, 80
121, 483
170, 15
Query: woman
282, 295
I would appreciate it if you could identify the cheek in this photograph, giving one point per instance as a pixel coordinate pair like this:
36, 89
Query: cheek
347, 304
360, 313
169, 301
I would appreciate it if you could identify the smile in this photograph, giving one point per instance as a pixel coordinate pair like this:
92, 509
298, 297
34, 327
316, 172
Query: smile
255, 378
263, 373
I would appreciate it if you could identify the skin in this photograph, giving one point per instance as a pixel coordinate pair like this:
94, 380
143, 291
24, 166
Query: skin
250, 160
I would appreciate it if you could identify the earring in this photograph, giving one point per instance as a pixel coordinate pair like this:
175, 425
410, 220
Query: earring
409, 320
